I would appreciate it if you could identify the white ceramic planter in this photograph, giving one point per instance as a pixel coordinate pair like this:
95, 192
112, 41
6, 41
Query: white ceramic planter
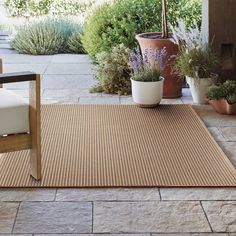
147, 94
199, 88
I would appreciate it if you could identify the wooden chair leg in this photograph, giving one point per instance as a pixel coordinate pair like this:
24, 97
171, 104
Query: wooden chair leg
35, 128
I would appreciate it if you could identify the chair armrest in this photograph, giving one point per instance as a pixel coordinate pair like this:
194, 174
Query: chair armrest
17, 77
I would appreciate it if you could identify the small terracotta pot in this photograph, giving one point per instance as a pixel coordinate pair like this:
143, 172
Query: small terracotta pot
223, 107
172, 84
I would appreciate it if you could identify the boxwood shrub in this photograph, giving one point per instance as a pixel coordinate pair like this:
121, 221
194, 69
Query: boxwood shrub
111, 24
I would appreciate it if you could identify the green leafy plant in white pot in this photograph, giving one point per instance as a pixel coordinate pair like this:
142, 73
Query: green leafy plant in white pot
196, 60
146, 80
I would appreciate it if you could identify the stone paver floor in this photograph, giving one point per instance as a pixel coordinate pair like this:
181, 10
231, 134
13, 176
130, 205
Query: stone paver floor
143, 212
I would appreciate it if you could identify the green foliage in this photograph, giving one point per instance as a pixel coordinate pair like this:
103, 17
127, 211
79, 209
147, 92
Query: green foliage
112, 24
40, 7
231, 99
27, 8
193, 9
45, 37
196, 57
227, 91
70, 7
230, 86
16, 7
216, 93
114, 72
148, 75
74, 44
196, 62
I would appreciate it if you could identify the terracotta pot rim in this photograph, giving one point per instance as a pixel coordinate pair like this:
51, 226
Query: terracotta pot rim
221, 100
141, 36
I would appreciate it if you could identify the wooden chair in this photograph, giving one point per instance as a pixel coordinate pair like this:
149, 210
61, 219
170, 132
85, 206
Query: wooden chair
20, 121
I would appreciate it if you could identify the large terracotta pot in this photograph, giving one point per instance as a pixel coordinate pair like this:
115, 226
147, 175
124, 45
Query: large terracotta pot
223, 107
172, 84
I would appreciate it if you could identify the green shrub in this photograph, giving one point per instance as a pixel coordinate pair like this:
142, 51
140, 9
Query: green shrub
112, 24
230, 86
44, 37
74, 44
227, 91
39, 7
231, 99
27, 8
216, 93
114, 72
69, 7
191, 11
16, 7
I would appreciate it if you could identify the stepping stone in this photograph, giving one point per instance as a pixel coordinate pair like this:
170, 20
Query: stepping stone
54, 217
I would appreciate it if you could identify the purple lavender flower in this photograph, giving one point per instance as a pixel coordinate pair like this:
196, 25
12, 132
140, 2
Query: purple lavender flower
162, 58
134, 63
145, 56
151, 58
154, 54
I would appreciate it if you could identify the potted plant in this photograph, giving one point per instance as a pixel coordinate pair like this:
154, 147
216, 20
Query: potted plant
196, 60
146, 80
223, 97
158, 40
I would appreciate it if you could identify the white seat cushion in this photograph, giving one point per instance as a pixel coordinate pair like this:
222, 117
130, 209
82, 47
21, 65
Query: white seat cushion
14, 113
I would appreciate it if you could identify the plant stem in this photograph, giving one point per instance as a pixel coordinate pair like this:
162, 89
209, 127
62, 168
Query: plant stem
165, 33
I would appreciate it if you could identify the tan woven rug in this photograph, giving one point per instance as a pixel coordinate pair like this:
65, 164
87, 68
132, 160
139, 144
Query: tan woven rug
125, 146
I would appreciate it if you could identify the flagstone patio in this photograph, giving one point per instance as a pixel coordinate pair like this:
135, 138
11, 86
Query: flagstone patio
143, 212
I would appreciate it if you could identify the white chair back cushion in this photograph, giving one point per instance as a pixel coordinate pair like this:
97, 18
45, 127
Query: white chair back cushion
14, 113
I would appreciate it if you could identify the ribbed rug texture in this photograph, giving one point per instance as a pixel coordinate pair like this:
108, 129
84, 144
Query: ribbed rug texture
122, 146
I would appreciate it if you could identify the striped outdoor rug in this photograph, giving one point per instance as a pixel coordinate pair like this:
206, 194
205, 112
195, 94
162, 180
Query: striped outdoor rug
122, 146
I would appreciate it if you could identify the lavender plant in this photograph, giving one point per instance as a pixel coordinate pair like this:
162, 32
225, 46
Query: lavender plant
145, 68
46, 37
196, 57
190, 38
